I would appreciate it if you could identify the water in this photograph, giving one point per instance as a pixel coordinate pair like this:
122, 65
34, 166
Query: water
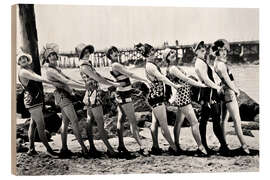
246, 76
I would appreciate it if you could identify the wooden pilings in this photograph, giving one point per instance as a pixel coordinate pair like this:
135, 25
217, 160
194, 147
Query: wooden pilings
247, 50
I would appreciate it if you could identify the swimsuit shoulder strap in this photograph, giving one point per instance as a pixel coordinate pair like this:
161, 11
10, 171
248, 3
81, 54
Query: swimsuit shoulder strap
20, 81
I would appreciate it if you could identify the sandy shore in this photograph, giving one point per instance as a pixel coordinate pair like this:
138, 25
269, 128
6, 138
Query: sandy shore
165, 163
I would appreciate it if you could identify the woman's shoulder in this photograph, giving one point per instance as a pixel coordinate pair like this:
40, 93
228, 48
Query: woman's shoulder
150, 65
116, 65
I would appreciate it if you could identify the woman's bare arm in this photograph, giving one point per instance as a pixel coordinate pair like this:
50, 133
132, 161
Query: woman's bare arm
175, 71
201, 71
33, 76
222, 70
98, 77
127, 72
154, 71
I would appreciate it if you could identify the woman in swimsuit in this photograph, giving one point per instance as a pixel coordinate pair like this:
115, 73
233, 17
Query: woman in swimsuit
221, 48
209, 100
183, 99
125, 107
92, 98
33, 100
63, 95
157, 98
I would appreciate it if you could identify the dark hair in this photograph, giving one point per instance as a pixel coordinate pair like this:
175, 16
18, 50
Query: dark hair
110, 50
217, 44
45, 59
199, 46
89, 47
144, 49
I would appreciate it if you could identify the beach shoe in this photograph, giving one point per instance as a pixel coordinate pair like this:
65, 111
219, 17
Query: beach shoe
144, 152
112, 154
224, 151
85, 153
179, 150
241, 151
156, 151
94, 153
32, 153
202, 150
52, 154
65, 153
210, 151
123, 152
200, 153
173, 152
246, 149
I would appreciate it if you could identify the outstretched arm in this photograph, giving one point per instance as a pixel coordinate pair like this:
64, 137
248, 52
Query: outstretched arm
125, 71
71, 79
221, 68
66, 83
201, 71
33, 76
97, 77
175, 71
151, 69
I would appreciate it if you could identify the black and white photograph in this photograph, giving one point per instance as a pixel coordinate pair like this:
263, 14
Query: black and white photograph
135, 89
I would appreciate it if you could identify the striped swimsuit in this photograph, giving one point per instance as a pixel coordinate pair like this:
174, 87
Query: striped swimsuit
123, 93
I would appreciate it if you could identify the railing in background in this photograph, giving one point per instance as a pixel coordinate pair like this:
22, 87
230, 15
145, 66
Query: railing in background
241, 52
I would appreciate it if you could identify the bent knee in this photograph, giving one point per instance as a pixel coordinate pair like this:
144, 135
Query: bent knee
194, 123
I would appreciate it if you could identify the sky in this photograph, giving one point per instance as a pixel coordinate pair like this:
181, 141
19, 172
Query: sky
103, 26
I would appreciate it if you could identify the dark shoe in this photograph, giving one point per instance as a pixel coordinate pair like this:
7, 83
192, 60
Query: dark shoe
112, 154
156, 151
179, 150
241, 152
245, 149
200, 153
144, 152
224, 151
65, 153
85, 153
173, 152
52, 154
123, 150
32, 153
94, 153
210, 151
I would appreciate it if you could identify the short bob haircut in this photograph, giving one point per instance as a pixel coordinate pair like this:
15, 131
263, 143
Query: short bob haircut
110, 50
88, 47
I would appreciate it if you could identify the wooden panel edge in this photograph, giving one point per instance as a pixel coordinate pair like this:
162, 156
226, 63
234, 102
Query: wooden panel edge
13, 86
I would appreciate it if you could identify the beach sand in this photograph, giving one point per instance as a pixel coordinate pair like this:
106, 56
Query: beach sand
165, 163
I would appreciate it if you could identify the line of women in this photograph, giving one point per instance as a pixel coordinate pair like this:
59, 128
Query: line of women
210, 96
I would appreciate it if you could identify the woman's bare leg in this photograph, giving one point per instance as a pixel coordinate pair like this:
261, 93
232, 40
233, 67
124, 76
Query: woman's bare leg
72, 116
191, 117
225, 118
120, 128
177, 127
130, 114
234, 112
89, 130
31, 135
161, 115
98, 116
64, 129
37, 116
154, 131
